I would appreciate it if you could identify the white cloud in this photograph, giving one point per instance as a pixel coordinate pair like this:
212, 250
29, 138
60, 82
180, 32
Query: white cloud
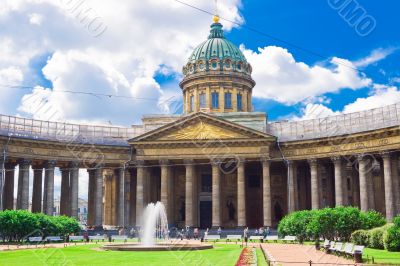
375, 56
142, 39
281, 78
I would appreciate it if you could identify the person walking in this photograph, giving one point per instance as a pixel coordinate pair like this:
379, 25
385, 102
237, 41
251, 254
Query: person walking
246, 235
219, 231
196, 233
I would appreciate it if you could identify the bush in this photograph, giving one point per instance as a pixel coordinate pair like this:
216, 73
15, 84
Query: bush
391, 239
375, 239
347, 221
372, 219
360, 237
295, 224
17, 225
322, 224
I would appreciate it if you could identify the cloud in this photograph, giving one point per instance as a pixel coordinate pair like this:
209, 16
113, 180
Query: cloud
280, 77
375, 56
142, 39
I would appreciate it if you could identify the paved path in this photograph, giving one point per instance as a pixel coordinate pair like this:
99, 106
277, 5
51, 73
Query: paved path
292, 254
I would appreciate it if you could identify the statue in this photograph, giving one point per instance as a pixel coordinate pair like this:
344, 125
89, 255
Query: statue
231, 210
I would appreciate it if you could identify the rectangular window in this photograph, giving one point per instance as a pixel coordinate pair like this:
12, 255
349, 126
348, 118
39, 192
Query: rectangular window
202, 100
228, 100
239, 102
191, 103
215, 101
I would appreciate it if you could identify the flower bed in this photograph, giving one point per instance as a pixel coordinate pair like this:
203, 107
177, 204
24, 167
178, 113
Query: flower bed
247, 257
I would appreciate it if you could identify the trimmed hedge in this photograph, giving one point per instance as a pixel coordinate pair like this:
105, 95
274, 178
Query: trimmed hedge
391, 238
329, 223
17, 225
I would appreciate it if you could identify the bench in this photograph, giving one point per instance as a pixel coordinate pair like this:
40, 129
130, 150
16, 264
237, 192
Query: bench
96, 238
272, 238
357, 249
289, 239
212, 237
118, 237
54, 239
348, 249
75, 238
35, 239
259, 238
234, 238
337, 247
326, 244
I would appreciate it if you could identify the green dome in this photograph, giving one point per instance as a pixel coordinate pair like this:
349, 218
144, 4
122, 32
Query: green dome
217, 47
216, 54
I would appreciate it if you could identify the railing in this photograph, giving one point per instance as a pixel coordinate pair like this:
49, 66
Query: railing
38, 129
383, 117
372, 119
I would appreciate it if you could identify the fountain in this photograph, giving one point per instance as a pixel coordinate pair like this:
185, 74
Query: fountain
155, 227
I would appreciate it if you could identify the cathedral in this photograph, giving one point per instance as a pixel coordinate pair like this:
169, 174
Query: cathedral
219, 164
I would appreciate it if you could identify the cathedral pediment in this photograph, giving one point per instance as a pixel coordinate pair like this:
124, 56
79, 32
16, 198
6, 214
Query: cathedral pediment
199, 127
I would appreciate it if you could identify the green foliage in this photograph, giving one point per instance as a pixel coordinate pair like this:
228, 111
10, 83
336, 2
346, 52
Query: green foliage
347, 221
375, 236
360, 237
17, 225
391, 238
322, 224
296, 224
372, 219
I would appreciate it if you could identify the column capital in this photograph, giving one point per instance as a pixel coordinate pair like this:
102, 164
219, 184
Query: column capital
312, 161
164, 162
25, 162
50, 164
265, 159
74, 164
140, 163
385, 154
336, 159
188, 162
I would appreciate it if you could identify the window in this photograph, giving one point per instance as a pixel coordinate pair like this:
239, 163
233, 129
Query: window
239, 102
215, 102
206, 183
228, 100
202, 100
191, 103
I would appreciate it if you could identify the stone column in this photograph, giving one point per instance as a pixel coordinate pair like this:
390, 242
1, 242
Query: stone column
395, 174
139, 192
363, 183
267, 206
8, 195
98, 197
388, 181
74, 189
337, 161
120, 174
314, 184
241, 193
216, 194
23, 185
91, 194
165, 171
37, 190
64, 199
48, 196
189, 164
291, 186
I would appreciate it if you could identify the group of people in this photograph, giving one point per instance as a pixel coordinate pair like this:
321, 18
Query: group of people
258, 232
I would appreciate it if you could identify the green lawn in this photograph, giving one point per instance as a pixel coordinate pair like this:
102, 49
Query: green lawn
382, 256
260, 258
89, 255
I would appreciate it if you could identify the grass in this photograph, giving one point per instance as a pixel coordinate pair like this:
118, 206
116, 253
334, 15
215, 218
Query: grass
381, 256
260, 258
91, 255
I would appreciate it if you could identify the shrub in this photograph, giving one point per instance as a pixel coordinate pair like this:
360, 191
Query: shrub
372, 219
296, 224
391, 239
360, 237
347, 221
322, 224
17, 225
375, 237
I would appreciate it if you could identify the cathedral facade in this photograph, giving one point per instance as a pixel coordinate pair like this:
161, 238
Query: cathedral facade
218, 164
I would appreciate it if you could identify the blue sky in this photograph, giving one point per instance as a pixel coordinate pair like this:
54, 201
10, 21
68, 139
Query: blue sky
315, 26
142, 47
